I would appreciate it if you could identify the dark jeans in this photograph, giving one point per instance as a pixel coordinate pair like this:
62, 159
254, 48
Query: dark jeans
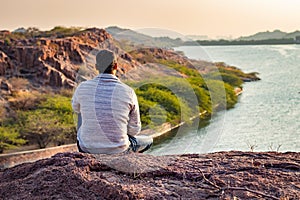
79, 149
138, 144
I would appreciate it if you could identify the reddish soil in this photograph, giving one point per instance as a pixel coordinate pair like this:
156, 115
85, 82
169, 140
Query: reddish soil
222, 175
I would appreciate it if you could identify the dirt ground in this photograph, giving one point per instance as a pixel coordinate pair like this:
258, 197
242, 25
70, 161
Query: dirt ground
221, 175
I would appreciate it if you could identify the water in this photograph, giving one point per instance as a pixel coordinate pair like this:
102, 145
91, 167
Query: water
267, 116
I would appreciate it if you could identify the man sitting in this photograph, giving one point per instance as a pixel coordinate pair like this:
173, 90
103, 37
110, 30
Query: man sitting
108, 112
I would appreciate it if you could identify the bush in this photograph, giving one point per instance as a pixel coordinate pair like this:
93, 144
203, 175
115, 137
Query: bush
180, 68
164, 98
203, 98
7, 41
23, 100
40, 126
229, 78
41, 118
51, 121
66, 92
19, 83
9, 138
145, 106
166, 102
222, 94
2, 112
61, 31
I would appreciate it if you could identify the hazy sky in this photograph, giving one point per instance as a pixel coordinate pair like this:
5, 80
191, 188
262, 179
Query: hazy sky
201, 17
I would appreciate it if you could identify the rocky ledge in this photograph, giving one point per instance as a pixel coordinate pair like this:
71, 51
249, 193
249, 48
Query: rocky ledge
56, 61
222, 175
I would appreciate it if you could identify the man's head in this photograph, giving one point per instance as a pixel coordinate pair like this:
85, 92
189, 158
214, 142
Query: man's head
106, 61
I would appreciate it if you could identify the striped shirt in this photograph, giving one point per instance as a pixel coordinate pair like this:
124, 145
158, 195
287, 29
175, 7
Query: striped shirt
109, 111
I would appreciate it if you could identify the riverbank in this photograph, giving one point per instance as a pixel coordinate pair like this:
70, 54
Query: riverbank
11, 159
222, 175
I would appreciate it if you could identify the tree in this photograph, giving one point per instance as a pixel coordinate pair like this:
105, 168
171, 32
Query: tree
9, 138
51, 122
40, 126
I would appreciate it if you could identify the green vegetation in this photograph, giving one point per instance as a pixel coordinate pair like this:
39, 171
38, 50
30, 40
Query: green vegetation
179, 99
39, 119
7, 41
221, 99
61, 31
9, 138
230, 79
210, 89
33, 32
47, 119
52, 121
235, 72
158, 103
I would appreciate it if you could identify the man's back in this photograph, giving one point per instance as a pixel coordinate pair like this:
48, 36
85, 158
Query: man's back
109, 110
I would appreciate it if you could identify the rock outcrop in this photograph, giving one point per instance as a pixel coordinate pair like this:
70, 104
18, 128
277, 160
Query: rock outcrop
55, 62
222, 175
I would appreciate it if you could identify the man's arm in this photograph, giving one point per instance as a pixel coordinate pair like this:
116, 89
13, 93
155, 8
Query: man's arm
76, 108
79, 120
75, 102
134, 124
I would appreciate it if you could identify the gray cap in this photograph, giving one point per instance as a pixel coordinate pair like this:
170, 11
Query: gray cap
104, 58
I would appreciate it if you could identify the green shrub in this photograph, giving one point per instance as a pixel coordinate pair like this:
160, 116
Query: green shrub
3, 112
62, 31
24, 100
7, 41
229, 78
222, 94
51, 122
203, 98
180, 68
9, 138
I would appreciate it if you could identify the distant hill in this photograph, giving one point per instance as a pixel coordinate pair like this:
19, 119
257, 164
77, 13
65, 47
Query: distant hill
293, 34
127, 34
142, 38
276, 34
137, 38
159, 32
261, 38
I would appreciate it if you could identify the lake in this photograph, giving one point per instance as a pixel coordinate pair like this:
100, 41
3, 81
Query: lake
267, 116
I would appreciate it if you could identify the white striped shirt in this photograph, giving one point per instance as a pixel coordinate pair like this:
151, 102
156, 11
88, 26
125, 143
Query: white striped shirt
110, 111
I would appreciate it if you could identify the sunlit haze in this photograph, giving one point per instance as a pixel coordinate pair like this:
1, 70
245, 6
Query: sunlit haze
190, 17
